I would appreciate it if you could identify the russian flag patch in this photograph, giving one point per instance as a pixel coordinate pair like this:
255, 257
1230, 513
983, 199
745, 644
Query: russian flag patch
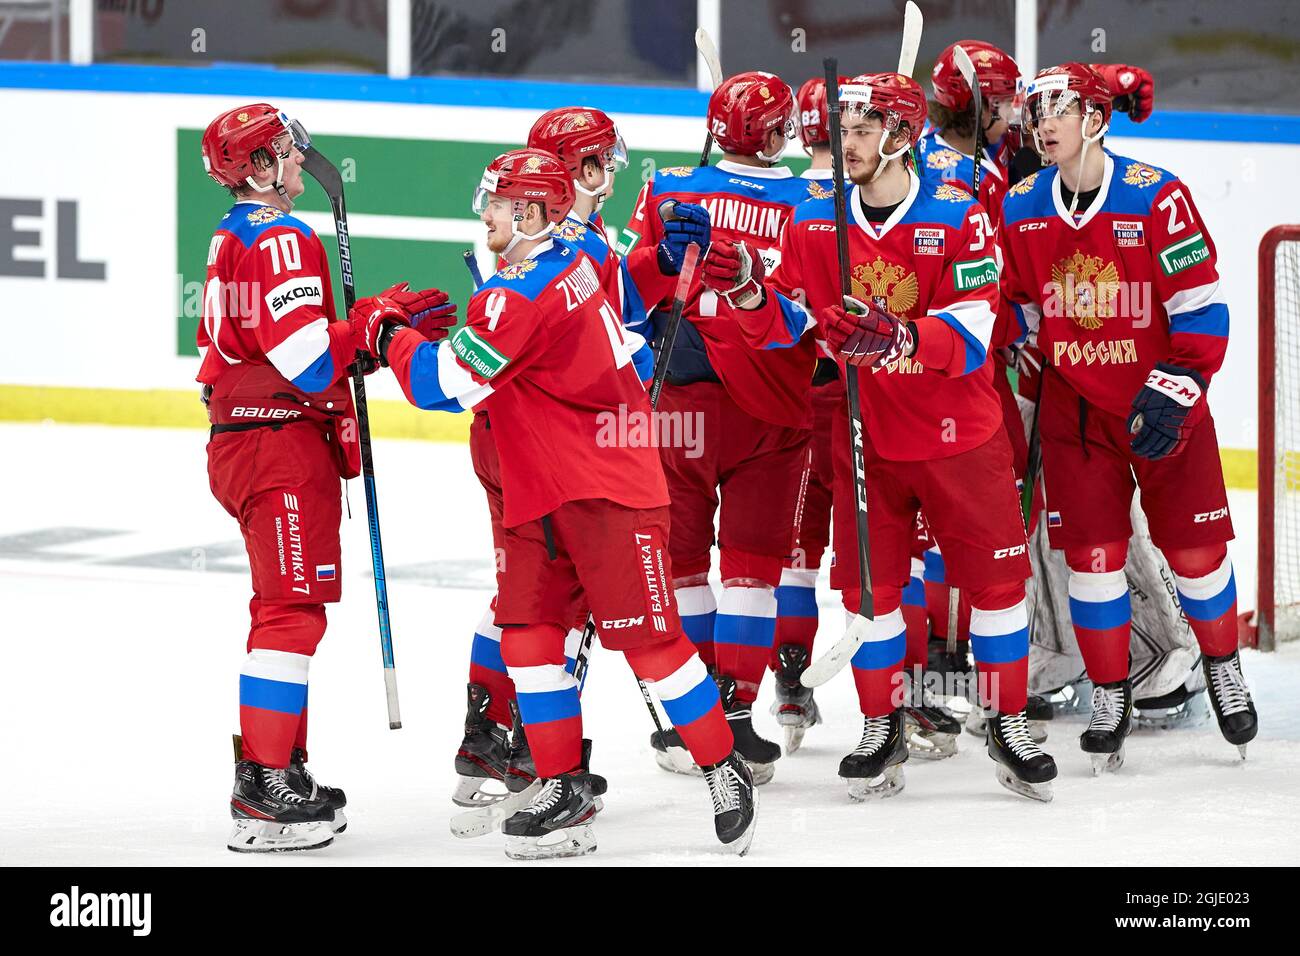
1053, 519
324, 572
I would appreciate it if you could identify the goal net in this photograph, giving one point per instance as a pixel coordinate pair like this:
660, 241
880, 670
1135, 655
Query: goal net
1278, 617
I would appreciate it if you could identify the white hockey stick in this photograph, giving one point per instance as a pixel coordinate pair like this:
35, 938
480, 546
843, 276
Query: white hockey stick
484, 820
912, 23
834, 660
709, 51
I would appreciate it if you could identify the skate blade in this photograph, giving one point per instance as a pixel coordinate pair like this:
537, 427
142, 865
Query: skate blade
473, 792
569, 842
793, 738
678, 760
862, 789
1241, 749
931, 746
1038, 731
977, 724
488, 819
1041, 792
1107, 763
761, 772
340, 822
266, 836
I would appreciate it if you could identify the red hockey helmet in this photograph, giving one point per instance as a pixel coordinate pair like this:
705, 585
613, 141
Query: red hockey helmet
526, 176
231, 140
898, 99
574, 133
996, 73
748, 106
1057, 90
813, 127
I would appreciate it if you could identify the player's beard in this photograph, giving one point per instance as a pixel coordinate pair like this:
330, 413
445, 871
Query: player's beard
861, 173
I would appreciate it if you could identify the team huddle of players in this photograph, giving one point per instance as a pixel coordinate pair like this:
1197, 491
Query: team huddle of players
962, 261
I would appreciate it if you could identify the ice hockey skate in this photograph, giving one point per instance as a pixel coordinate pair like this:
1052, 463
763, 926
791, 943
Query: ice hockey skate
272, 817
1037, 709
875, 767
1111, 722
301, 779
794, 707
519, 770
760, 753
671, 753
1022, 766
932, 730
735, 802
556, 822
1179, 708
1231, 700
483, 755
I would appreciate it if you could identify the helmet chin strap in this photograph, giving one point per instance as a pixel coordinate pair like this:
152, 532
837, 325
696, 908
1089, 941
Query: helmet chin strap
517, 236
886, 158
1083, 153
599, 192
278, 185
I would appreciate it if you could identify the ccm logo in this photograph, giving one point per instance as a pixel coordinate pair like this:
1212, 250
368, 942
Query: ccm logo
745, 182
1205, 516
622, 622
821, 227
1031, 226
253, 411
1008, 552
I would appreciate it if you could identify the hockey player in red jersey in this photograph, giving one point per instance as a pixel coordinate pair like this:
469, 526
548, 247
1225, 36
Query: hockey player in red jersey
916, 332
274, 365
584, 513
588, 143
1111, 266
751, 408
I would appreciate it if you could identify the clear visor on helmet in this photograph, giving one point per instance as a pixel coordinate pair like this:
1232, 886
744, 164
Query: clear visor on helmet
298, 137
1049, 103
616, 155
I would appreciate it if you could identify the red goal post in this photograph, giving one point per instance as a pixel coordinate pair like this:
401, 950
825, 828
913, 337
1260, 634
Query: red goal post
1278, 568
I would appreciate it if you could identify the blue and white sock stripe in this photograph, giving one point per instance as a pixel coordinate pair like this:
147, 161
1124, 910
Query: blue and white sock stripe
697, 608
688, 693
914, 593
1099, 601
746, 616
274, 680
545, 692
1210, 597
797, 594
486, 650
935, 571
885, 643
1000, 637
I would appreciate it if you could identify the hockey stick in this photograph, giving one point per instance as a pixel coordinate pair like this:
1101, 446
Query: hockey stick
327, 174
471, 264
657, 385
829, 664
484, 820
967, 70
704, 44
912, 23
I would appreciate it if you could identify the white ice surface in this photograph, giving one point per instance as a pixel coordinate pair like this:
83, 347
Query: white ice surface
119, 693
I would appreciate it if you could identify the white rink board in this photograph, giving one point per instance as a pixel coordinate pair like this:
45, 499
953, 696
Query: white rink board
120, 333
120, 693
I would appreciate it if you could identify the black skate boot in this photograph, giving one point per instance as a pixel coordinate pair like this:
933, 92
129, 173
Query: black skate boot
519, 770
1039, 712
671, 753
1111, 722
955, 669
1181, 707
735, 802
556, 822
794, 707
483, 753
1022, 767
1231, 700
271, 816
875, 767
932, 730
300, 778
759, 753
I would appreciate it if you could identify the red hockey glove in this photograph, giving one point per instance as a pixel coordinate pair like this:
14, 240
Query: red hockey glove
864, 334
1132, 89
431, 311
1158, 421
734, 271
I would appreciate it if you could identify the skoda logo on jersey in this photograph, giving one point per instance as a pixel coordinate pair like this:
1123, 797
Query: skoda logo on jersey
288, 296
